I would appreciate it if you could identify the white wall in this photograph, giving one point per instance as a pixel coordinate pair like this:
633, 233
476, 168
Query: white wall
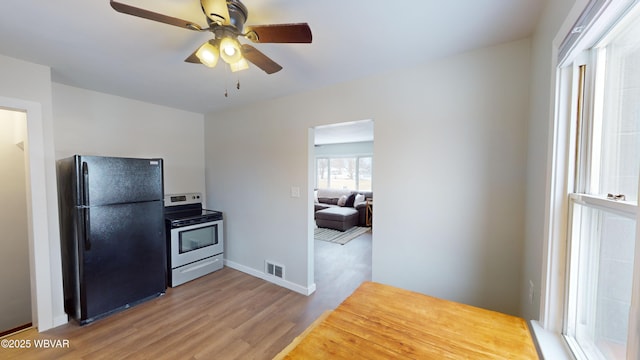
15, 275
540, 125
93, 123
450, 155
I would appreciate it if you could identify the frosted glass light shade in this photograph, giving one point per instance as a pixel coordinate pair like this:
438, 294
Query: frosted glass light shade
240, 65
230, 50
208, 54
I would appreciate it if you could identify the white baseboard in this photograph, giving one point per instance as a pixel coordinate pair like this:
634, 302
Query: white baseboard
272, 279
57, 321
60, 320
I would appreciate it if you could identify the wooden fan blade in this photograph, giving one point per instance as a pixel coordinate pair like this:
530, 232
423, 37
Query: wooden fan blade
150, 15
259, 59
280, 33
193, 58
216, 10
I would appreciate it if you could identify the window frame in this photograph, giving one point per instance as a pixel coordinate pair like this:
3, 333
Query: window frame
562, 168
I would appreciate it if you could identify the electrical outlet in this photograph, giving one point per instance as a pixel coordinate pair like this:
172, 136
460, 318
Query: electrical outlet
531, 286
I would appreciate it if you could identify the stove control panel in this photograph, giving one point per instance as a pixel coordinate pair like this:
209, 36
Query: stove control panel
182, 199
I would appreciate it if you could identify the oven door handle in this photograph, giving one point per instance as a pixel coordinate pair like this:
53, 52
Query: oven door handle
86, 212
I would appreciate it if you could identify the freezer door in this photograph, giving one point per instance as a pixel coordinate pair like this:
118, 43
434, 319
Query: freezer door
109, 180
123, 258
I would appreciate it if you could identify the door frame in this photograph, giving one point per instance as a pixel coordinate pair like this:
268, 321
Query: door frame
42, 304
311, 179
12, 121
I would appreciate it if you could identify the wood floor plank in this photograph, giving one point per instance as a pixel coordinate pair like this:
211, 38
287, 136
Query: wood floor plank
224, 315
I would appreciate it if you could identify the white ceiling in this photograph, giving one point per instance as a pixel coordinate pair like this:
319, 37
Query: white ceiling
89, 45
345, 132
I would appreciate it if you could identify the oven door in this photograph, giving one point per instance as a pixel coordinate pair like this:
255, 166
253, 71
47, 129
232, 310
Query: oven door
195, 242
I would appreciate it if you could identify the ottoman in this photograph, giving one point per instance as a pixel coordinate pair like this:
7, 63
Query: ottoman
338, 218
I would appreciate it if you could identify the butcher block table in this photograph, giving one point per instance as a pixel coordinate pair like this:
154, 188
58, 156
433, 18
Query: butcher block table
384, 322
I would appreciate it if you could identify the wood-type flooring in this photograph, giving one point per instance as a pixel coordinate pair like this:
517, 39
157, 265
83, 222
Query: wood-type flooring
224, 315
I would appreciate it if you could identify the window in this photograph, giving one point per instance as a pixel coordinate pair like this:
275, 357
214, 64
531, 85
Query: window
600, 315
365, 167
601, 281
322, 173
353, 173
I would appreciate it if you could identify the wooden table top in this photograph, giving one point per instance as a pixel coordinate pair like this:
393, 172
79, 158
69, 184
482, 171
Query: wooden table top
383, 322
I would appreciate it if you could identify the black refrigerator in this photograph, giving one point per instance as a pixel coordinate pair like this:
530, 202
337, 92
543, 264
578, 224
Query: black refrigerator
112, 233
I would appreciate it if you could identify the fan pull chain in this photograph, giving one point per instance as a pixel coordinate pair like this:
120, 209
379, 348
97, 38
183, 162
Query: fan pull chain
226, 81
226, 85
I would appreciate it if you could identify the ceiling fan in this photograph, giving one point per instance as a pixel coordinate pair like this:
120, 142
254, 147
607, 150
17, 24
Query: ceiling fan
225, 19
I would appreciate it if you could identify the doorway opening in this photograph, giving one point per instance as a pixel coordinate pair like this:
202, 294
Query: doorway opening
341, 170
42, 211
15, 272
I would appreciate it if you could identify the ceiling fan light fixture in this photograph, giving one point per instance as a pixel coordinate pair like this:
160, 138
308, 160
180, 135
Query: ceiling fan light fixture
216, 10
226, 20
242, 64
230, 50
208, 54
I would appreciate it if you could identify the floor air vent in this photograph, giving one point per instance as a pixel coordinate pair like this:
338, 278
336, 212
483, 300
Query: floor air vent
275, 270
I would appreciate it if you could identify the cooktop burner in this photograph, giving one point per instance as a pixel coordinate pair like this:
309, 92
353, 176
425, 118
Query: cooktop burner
204, 214
186, 209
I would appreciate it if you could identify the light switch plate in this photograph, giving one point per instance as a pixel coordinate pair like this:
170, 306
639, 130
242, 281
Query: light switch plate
295, 191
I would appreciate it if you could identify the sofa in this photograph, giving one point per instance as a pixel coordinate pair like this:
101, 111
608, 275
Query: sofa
341, 209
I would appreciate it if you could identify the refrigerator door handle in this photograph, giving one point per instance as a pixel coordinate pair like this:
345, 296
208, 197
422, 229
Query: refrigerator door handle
85, 184
85, 209
87, 228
